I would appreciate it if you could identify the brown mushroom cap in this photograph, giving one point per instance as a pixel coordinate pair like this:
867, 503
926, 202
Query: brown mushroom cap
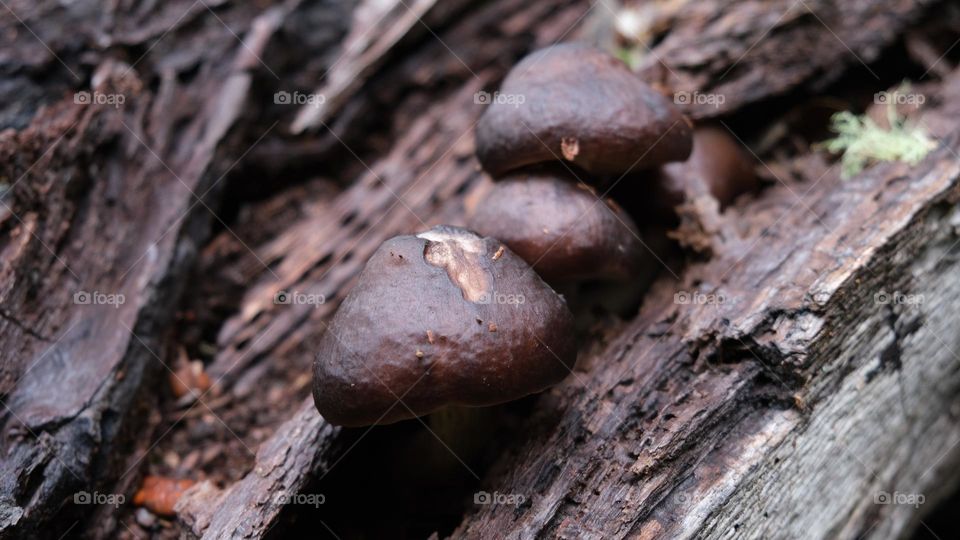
442, 318
560, 227
718, 165
582, 105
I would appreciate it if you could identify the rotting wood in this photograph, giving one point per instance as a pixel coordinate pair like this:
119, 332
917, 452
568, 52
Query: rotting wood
292, 334
103, 202
29, 331
785, 408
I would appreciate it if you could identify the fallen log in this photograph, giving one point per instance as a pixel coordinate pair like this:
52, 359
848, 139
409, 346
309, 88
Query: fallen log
322, 270
425, 177
788, 387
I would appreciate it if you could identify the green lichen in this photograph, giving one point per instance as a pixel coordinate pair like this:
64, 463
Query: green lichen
863, 142
632, 56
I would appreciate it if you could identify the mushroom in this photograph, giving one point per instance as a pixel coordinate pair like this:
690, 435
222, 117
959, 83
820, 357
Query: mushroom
559, 227
718, 168
442, 318
718, 165
584, 106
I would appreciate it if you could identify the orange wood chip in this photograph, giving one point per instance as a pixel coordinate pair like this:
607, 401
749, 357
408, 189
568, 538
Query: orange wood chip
189, 378
159, 494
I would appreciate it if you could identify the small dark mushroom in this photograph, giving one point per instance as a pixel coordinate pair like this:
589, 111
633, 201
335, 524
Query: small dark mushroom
719, 168
560, 227
718, 165
442, 318
581, 105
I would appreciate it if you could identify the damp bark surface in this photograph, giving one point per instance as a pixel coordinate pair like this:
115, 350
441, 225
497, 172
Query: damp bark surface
162, 181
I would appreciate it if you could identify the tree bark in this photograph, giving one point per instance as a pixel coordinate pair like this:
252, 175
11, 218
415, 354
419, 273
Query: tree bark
789, 406
698, 412
105, 207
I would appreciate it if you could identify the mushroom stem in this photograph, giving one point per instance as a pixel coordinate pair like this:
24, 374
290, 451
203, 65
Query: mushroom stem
464, 432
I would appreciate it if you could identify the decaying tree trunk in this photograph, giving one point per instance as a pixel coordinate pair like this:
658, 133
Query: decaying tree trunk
826, 375
104, 202
782, 403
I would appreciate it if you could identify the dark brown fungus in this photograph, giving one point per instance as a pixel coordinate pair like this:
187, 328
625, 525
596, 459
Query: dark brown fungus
561, 228
445, 317
718, 165
577, 103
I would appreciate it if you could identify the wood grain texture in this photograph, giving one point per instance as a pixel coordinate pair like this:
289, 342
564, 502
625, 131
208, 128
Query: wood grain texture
720, 381
113, 201
750, 51
751, 412
686, 405
249, 508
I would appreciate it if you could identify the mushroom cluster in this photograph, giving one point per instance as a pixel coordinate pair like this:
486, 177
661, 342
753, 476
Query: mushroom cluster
465, 317
586, 118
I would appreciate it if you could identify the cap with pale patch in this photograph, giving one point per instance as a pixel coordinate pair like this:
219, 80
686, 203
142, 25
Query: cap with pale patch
445, 317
